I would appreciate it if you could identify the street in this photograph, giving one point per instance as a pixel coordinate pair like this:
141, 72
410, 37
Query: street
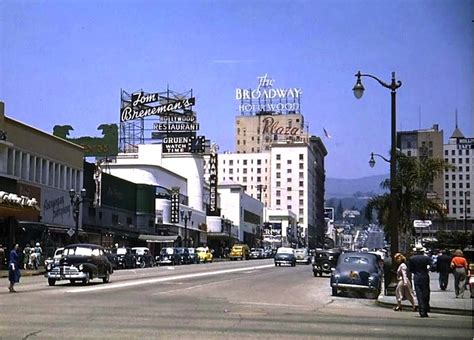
250, 299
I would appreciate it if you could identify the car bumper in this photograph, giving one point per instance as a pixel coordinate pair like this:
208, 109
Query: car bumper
66, 275
302, 260
352, 286
284, 261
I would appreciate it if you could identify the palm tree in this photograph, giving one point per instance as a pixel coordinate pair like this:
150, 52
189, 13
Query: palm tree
414, 177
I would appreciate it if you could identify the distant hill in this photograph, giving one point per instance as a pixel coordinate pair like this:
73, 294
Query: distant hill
356, 188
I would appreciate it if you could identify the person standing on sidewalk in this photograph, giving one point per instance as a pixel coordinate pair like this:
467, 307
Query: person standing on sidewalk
419, 265
14, 268
459, 266
403, 291
443, 267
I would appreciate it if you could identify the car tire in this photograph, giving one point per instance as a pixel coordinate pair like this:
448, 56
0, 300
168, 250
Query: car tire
334, 291
106, 279
315, 274
51, 282
73, 282
276, 264
142, 264
86, 280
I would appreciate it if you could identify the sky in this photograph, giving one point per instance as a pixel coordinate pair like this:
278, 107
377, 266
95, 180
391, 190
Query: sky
65, 62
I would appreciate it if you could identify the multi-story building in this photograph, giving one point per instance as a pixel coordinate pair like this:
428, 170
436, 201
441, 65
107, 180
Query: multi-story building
256, 133
37, 171
458, 182
425, 143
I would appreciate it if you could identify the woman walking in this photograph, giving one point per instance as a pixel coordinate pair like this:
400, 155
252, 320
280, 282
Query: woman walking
459, 266
403, 291
13, 268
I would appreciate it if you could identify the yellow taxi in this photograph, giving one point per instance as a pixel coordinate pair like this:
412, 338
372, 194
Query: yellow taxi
204, 254
239, 251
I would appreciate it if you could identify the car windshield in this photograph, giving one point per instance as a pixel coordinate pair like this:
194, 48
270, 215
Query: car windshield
180, 250
119, 251
356, 260
138, 251
78, 251
191, 250
166, 251
285, 251
300, 251
200, 250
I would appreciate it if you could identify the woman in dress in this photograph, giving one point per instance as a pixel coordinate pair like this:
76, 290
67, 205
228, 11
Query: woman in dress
403, 291
13, 268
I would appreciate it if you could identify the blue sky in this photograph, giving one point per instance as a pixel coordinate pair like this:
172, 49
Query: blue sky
64, 62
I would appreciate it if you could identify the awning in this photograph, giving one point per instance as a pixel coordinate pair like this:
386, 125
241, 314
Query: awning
158, 238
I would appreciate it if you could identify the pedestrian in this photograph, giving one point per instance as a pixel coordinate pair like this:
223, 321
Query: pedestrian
13, 268
26, 257
460, 267
38, 252
403, 291
443, 267
419, 265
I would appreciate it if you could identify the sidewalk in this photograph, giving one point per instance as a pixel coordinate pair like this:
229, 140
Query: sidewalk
440, 301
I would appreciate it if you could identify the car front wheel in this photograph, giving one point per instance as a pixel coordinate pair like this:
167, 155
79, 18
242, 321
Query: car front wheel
86, 280
334, 291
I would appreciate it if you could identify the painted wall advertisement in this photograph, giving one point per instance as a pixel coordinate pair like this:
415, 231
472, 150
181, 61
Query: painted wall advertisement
56, 207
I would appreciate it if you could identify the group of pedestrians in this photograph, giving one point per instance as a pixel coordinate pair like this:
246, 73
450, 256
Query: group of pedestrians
32, 256
28, 259
419, 266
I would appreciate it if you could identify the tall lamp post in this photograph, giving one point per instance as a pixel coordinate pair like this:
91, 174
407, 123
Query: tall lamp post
394, 215
466, 195
76, 200
186, 216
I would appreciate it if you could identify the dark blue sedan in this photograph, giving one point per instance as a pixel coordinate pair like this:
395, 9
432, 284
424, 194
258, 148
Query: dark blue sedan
359, 271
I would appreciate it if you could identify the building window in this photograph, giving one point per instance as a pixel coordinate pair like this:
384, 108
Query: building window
453, 152
301, 166
288, 189
245, 162
278, 193
446, 194
115, 219
288, 171
278, 184
301, 157
288, 198
289, 207
288, 180
446, 152
301, 184
288, 161
244, 170
454, 210
278, 166
453, 185
454, 202
453, 193
278, 175
446, 177
460, 160
301, 175
244, 179
259, 162
453, 177
278, 157
278, 202
301, 193
409, 153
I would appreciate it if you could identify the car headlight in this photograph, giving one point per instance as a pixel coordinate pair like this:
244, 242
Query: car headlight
80, 267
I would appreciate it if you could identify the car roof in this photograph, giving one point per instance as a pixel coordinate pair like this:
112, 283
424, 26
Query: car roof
84, 245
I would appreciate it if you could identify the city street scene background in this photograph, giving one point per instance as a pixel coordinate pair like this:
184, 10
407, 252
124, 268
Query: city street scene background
215, 169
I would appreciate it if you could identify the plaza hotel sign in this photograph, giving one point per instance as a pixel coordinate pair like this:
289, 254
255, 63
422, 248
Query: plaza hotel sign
267, 98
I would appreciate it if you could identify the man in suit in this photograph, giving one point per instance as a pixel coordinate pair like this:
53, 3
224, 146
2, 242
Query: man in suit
443, 268
419, 265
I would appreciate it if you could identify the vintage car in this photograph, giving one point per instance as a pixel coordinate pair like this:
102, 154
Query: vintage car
285, 255
324, 261
125, 257
81, 262
239, 251
302, 255
193, 256
168, 256
204, 254
143, 257
182, 255
357, 271
256, 253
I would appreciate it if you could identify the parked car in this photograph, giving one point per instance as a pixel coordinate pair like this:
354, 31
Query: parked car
324, 261
50, 262
81, 262
193, 256
302, 256
143, 257
357, 271
204, 254
125, 257
256, 253
183, 255
285, 255
239, 251
168, 256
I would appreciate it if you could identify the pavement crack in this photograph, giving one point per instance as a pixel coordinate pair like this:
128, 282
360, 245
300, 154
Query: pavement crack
31, 334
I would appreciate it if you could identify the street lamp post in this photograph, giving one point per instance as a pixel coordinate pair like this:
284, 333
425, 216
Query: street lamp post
186, 217
393, 86
76, 200
466, 194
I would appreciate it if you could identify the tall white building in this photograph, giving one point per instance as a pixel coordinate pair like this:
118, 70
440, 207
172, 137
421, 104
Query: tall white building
459, 181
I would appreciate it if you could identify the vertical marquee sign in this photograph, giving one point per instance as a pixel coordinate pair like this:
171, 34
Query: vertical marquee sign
174, 205
213, 210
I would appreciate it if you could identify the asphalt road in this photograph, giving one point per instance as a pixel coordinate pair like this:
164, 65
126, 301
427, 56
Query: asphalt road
221, 300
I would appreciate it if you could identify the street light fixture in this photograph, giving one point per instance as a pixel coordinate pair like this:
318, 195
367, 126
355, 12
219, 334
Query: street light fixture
76, 200
372, 159
393, 86
186, 217
466, 195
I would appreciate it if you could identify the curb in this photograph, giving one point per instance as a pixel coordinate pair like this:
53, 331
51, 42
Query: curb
436, 310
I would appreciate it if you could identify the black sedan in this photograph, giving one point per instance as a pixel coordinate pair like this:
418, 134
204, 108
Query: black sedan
357, 271
285, 255
81, 262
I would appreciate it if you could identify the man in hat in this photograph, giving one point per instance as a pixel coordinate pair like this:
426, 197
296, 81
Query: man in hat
419, 265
